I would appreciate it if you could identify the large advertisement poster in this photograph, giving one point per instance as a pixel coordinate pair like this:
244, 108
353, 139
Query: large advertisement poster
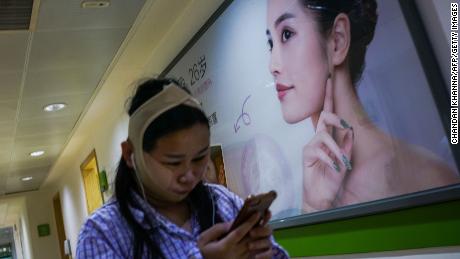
280, 81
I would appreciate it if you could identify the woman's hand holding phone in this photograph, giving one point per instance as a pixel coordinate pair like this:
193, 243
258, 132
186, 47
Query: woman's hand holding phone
259, 238
325, 162
248, 240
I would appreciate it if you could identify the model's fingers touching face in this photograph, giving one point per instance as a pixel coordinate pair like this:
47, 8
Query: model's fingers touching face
328, 97
328, 106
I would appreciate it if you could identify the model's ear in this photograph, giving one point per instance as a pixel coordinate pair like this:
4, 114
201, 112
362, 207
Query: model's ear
127, 153
339, 40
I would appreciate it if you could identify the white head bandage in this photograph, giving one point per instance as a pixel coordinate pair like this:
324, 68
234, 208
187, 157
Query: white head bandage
170, 97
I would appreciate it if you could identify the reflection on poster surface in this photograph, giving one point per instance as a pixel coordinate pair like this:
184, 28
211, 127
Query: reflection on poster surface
335, 111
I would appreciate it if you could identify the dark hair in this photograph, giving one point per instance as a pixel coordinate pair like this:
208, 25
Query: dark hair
363, 18
177, 118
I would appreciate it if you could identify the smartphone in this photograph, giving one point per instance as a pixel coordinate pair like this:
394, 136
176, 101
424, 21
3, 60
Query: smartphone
252, 204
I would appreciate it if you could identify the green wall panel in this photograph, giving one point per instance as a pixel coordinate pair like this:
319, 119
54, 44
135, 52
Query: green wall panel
428, 226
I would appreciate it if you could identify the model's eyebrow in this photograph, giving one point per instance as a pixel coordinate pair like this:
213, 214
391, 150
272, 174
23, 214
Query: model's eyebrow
283, 17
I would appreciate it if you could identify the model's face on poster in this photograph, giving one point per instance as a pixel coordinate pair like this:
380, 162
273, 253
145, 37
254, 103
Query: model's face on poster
298, 60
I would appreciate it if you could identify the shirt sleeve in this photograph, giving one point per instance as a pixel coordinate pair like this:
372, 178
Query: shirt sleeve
228, 203
278, 251
92, 244
194, 253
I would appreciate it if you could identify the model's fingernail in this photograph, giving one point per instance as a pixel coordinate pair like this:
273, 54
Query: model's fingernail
336, 167
344, 124
346, 162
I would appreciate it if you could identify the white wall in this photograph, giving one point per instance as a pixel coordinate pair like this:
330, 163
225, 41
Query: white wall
25, 234
18, 240
104, 125
73, 200
40, 211
20, 219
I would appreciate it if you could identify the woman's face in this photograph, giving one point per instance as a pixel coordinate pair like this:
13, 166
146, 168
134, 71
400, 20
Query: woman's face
298, 60
177, 163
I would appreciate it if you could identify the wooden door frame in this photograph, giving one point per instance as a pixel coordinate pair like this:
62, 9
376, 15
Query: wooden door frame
57, 200
85, 162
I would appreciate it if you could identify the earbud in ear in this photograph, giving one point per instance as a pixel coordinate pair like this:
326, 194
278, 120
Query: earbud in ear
132, 161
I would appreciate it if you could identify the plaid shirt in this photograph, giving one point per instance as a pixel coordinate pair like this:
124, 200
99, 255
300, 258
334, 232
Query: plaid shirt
106, 234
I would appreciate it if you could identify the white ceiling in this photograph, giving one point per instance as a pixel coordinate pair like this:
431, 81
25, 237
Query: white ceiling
62, 60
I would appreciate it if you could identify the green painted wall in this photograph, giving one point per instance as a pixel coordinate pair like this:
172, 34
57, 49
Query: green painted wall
428, 226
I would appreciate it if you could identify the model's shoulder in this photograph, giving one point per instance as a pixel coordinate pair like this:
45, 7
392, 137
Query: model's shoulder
430, 163
429, 168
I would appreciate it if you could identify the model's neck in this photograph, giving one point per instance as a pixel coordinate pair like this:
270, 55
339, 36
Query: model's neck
346, 102
347, 106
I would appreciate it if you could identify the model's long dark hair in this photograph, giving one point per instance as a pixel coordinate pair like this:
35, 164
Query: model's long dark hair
363, 19
177, 118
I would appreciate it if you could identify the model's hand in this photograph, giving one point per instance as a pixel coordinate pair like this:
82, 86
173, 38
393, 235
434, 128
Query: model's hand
235, 244
325, 162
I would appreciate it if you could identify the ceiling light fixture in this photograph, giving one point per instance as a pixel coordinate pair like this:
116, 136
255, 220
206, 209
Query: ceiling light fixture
27, 178
37, 153
95, 4
52, 107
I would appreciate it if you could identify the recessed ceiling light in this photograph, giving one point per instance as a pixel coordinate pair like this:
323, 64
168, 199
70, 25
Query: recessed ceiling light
27, 178
37, 153
95, 4
52, 107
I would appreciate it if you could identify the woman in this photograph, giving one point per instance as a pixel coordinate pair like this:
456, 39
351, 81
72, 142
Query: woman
162, 209
317, 56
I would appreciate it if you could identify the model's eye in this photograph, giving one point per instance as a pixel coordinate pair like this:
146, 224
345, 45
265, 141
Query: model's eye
286, 34
270, 44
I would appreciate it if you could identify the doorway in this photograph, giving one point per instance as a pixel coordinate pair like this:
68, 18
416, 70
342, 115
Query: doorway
59, 224
90, 174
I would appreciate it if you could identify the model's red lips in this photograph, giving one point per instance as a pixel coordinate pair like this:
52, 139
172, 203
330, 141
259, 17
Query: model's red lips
282, 90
